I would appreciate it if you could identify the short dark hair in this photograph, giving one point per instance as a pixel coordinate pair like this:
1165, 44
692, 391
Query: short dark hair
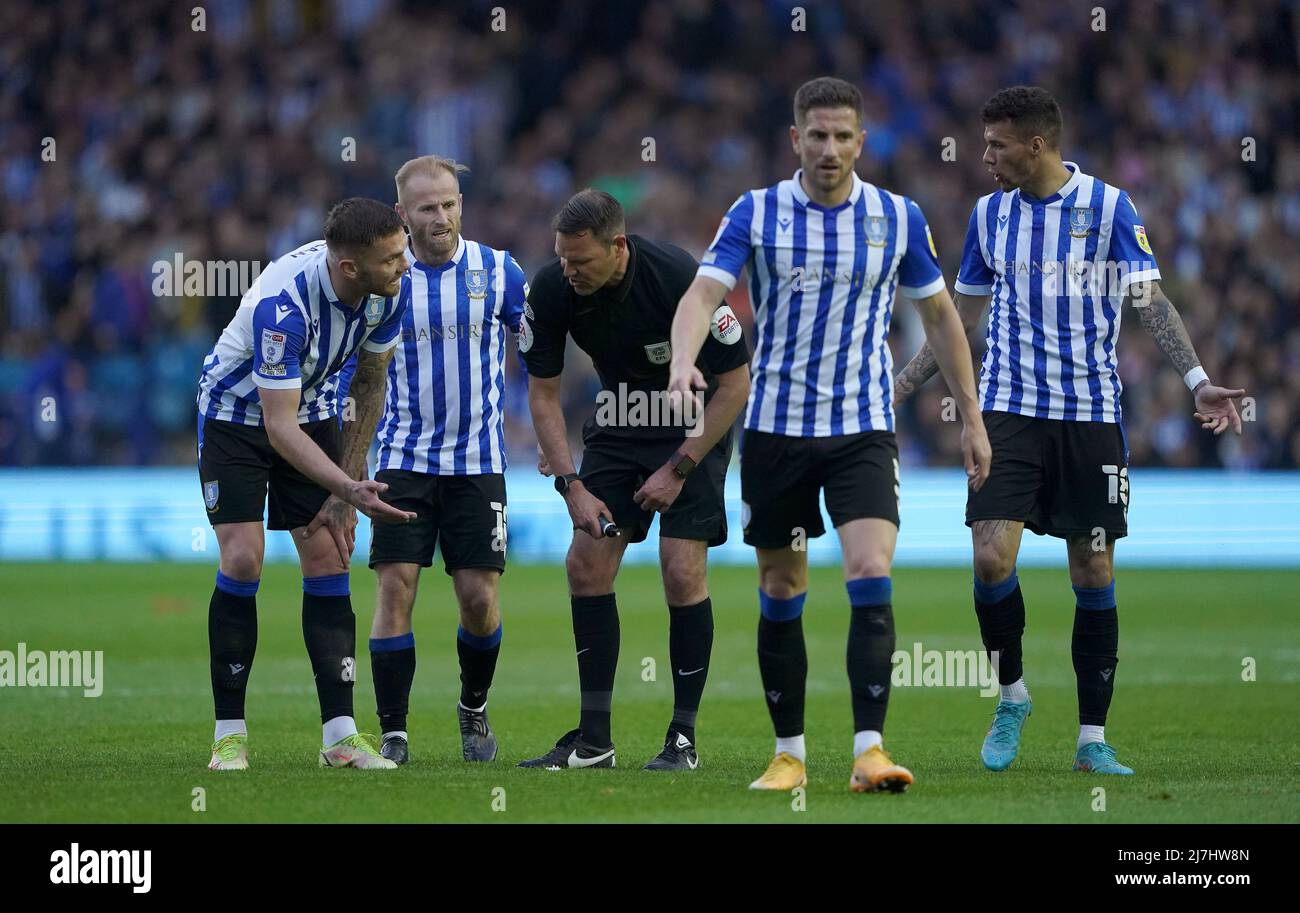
591, 210
826, 92
359, 222
1032, 111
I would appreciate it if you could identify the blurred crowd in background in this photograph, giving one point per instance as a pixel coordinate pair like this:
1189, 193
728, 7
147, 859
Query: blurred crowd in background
230, 143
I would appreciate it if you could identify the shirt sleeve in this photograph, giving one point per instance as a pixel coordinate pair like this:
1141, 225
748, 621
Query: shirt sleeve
387, 334
975, 277
512, 308
279, 333
516, 297
724, 348
1129, 247
919, 275
542, 335
731, 249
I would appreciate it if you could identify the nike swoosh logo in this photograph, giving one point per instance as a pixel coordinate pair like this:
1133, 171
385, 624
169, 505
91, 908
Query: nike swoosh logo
576, 761
583, 650
692, 672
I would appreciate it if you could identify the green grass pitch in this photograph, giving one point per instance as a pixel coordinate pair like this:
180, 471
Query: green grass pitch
1207, 746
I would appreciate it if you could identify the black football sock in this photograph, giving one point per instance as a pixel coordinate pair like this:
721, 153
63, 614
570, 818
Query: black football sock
392, 666
1095, 649
478, 661
690, 643
330, 631
783, 661
1000, 608
870, 653
232, 641
596, 636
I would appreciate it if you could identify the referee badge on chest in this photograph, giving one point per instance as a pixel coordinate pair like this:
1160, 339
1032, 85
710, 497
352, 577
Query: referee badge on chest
476, 282
374, 310
875, 228
1080, 221
659, 353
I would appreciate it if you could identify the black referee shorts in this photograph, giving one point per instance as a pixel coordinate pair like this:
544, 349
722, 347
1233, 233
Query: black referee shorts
1059, 478
238, 465
466, 515
782, 476
613, 468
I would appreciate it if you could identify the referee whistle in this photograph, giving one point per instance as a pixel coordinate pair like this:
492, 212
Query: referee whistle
608, 528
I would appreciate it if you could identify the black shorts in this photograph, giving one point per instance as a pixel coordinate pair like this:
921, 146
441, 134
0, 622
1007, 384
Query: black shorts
782, 476
614, 468
468, 513
237, 466
1059, 478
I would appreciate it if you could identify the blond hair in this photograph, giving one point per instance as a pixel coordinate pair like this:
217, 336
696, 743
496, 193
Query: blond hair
428, 165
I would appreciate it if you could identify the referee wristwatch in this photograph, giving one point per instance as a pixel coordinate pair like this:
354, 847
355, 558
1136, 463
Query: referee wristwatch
563, 482
681, 464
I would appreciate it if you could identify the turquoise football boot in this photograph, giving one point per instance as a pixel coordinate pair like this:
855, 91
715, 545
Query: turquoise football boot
1099, 758
1003, 740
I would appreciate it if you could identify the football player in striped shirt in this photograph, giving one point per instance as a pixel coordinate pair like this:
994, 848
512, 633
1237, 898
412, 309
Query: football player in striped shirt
826, 252
1057, 253
442, 452
268, 410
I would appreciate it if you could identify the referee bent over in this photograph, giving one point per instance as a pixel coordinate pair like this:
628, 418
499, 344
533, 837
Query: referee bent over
616, 295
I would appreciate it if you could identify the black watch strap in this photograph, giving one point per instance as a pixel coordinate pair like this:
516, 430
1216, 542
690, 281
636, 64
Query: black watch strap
682, 464
563, 482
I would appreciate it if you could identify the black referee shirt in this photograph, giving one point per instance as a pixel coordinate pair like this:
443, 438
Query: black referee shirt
627, 330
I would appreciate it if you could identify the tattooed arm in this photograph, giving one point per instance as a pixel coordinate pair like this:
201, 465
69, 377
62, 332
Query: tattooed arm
924, 365
367, 393
366, 407
1214, 408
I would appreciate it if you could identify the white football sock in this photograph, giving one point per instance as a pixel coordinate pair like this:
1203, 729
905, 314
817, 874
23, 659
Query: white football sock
395, 734
865, 740
338, 729
1016, 692
229, 727
1091, 734
793, 746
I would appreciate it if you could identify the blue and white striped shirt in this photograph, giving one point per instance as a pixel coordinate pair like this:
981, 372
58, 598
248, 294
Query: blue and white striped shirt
1057, 271
446, 382
822, 284
291, 331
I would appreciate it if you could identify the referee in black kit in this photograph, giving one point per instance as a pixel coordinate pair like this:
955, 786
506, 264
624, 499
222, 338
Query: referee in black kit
616, 294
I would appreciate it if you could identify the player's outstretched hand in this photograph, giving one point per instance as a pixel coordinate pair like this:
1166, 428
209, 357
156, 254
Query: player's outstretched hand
683, 382
543, 465
660, 490
976, 453
364, 496
1214, 408
340, 518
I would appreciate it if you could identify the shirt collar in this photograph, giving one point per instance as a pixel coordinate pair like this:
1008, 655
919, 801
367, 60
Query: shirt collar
620, 292
1066, 189
803, 198
327, 289
454, 261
